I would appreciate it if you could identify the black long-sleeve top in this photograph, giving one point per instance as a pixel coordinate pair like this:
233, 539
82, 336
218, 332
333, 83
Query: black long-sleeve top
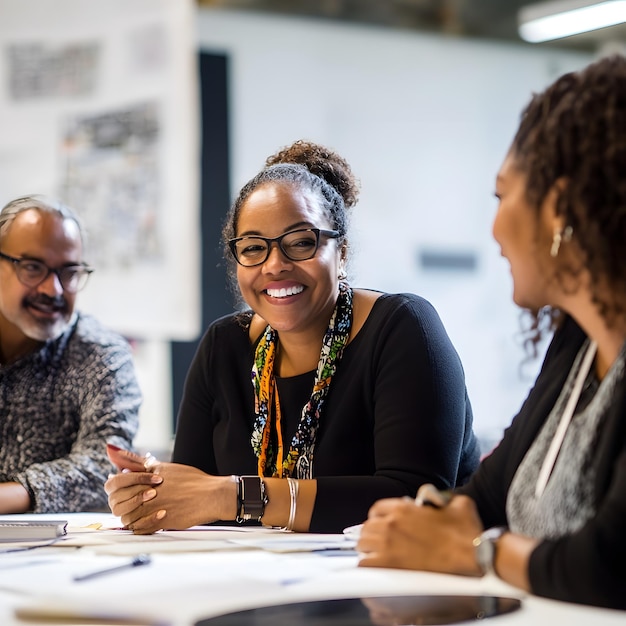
397, 414
587, 566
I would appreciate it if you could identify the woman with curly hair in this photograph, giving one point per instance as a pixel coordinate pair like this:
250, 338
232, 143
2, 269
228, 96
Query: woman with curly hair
552, 496
319, 398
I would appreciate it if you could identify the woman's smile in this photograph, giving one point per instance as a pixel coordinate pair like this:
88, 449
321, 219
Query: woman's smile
284, 292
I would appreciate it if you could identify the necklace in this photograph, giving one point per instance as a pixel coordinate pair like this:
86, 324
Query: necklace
566, 418
296, 460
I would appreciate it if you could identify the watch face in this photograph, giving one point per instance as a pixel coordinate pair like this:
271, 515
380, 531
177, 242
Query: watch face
372, 611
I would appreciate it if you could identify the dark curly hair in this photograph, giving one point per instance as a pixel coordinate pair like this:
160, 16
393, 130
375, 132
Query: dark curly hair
311, 168
322, 162
575, 131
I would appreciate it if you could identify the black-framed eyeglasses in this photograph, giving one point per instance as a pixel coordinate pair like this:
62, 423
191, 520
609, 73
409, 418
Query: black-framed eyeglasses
296, 245
32, 273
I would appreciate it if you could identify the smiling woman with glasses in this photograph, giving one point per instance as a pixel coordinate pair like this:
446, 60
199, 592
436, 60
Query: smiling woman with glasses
317, 398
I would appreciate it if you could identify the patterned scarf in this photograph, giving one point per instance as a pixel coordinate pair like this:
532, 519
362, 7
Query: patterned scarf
298, 463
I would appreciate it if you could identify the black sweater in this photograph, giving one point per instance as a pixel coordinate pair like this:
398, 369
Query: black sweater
588, 566
397, 413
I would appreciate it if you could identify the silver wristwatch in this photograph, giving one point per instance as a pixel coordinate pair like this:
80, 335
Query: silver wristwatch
485, 546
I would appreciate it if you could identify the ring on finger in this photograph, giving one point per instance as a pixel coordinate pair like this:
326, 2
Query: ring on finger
150, 462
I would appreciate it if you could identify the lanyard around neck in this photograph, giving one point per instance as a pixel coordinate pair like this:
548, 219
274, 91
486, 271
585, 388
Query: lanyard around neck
566, 418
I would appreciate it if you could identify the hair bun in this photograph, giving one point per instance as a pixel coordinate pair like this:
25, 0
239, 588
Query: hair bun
322, 162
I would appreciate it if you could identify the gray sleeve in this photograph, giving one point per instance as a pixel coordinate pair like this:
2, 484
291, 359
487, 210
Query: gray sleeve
108, 405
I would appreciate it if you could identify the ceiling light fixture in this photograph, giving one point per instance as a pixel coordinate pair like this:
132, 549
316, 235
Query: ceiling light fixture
563, 18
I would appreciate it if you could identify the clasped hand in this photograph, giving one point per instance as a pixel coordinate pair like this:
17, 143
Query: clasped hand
165, 495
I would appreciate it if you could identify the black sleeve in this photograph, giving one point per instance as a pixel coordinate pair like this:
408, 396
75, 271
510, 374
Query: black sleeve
588, 566
421, 417
489, 485
217, 408
194, 424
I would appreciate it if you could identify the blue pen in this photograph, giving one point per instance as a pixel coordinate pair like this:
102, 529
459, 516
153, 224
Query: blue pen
140, 559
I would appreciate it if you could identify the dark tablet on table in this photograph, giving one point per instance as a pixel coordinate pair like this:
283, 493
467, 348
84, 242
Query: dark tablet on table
372, 611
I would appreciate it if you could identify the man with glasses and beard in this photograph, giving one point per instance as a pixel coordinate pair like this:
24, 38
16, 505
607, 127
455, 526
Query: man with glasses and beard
67, 384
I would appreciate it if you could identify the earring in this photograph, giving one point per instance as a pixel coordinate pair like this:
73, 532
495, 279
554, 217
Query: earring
342, 274
567, 233
556, 245
565, 236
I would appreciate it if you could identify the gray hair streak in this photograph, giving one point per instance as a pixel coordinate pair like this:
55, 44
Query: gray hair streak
41, 203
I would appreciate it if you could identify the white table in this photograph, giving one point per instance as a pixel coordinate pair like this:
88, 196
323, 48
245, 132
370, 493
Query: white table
201, 573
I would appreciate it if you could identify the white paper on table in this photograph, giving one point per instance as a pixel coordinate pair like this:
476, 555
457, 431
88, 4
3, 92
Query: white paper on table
298, 542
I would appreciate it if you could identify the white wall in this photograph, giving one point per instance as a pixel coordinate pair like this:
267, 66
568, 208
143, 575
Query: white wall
424, 121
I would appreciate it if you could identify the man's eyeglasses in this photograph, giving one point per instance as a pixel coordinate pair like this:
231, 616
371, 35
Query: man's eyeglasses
296, 245
32, 273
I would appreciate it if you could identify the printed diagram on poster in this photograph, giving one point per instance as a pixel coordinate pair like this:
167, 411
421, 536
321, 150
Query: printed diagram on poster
39, 71
99, 107
112, 171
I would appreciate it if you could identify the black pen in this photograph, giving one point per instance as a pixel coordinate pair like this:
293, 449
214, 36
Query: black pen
140, 559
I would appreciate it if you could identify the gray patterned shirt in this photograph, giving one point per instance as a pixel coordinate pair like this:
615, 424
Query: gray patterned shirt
59, 406
568, 500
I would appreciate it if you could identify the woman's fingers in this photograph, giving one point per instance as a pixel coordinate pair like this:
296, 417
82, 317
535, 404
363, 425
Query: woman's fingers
128, 492
130, 479
146, 524
125, 501
125, 459
403, 535
185, 494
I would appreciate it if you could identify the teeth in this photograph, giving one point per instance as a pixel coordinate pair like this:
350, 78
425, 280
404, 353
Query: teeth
283, 293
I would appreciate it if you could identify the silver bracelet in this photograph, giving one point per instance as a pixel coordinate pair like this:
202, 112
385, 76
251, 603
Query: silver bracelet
293, 501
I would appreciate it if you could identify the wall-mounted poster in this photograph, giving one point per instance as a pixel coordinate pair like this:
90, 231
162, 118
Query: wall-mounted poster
99, 107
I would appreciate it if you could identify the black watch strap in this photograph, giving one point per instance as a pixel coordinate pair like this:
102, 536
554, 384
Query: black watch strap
251, 498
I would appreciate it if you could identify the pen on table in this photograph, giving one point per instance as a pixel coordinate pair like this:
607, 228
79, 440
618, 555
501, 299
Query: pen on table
141, 559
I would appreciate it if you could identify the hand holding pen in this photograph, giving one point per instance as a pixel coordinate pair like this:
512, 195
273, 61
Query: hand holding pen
436, 535
427, 495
